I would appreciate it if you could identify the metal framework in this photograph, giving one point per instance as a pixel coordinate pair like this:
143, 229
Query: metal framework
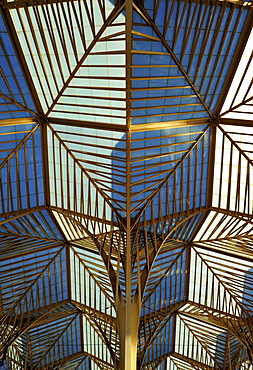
126, 195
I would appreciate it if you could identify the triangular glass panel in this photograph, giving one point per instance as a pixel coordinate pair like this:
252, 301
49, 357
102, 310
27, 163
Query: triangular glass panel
233, 169
95, 175
59, 332
32, 272
169, 266
239, 100
12, 137
160, 90
21, 185
174, 161
66, 32
210, 34
15, 98
12, 244
38, 225
160, 332
97, 90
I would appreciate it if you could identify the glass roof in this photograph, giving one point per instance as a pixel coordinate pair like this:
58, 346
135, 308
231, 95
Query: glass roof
126, 201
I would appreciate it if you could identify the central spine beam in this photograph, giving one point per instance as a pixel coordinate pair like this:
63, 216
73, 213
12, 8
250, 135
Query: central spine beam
128, 311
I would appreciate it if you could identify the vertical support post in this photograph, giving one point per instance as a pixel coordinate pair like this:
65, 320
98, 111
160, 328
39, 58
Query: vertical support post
128, 321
